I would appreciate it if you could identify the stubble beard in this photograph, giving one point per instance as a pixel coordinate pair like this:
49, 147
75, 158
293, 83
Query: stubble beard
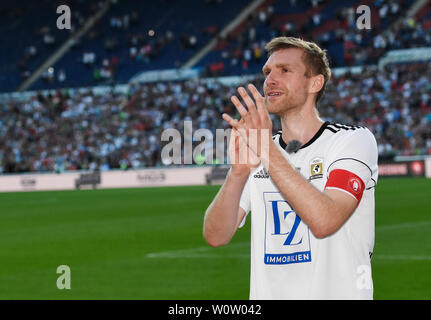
280, 107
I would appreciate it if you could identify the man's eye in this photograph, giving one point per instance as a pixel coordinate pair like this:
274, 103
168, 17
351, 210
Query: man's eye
284, 70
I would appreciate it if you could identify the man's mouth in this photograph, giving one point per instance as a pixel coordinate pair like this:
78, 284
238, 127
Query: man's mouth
274, 94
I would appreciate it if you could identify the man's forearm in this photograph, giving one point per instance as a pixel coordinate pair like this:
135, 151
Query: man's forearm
221, 217
312, 206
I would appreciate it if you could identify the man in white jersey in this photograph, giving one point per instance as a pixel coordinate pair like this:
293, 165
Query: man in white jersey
311, 196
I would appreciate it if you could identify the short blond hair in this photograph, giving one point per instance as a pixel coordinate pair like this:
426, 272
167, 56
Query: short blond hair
314, 57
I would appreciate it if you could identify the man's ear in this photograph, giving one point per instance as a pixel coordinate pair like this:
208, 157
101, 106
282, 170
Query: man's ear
317, 83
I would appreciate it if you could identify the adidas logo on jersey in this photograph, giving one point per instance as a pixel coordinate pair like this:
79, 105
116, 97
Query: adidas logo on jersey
261, 174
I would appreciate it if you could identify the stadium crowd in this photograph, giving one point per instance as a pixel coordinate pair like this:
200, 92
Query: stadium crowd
358, 47
124, 45
70, 130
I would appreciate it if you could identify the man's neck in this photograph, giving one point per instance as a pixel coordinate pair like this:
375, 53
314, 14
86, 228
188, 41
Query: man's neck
301, 126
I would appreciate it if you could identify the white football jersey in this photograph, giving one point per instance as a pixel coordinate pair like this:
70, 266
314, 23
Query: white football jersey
287, 261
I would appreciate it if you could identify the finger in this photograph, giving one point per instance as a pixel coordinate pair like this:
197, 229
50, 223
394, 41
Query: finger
232, 122
247, 99
260, 101
241, 129
238, 105
246, 118
255, 93
252, 111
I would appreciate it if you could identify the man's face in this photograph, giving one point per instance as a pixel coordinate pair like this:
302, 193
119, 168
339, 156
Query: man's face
285, 86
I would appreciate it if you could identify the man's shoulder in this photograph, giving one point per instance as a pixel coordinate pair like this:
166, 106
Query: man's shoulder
345, 128
350, 132
352, 141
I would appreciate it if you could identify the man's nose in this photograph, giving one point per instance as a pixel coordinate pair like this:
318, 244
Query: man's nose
271, 79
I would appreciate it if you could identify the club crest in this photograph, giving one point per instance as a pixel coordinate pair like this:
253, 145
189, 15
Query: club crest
316, 168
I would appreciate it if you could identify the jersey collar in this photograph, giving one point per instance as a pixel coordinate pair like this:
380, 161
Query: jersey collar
314, 138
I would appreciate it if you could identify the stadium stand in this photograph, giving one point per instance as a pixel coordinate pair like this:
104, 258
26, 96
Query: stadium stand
28, 39
69, 129
328, 23
135, 36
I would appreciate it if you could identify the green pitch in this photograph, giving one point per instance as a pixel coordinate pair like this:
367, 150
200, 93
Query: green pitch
147, 244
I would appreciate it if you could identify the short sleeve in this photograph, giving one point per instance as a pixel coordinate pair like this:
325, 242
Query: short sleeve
353, 162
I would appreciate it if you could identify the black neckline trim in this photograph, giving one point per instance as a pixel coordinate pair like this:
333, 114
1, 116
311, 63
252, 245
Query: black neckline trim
314, 138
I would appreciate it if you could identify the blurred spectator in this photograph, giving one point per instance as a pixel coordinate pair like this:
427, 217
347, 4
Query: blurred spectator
89, 58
